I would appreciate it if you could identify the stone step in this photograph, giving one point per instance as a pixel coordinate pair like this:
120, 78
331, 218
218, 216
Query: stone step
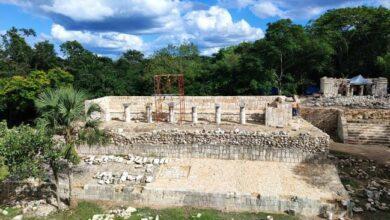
371, 142
370, 134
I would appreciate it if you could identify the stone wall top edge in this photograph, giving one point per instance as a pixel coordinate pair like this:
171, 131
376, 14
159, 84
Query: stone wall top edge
238, 96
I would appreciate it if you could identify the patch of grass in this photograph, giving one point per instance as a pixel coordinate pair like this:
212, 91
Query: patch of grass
339, 154
84, 210
12, 212
350, 181
205, 214
171, 213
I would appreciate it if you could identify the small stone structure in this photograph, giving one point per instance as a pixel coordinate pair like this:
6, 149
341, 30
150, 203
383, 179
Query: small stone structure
331, 87
278, 114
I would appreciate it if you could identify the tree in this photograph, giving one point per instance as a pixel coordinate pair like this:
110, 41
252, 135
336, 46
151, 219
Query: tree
17, 93
15, 52
383, 62
25, 151
358, 36
44, 56
182, 59
62, 110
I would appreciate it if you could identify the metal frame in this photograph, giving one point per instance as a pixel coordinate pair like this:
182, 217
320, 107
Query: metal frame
169, 87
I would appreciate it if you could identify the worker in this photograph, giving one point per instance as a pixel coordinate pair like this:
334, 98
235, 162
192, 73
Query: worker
295, 106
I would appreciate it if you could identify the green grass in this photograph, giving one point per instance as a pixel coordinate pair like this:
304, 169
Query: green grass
350, 181
85, 210
206, 214
11, 213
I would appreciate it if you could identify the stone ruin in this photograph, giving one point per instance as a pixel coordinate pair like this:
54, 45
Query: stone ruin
357, 86
255, 134
212, 109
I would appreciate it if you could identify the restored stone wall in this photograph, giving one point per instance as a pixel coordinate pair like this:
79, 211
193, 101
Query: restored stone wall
222, 201
278, 116
272, 146
230, 106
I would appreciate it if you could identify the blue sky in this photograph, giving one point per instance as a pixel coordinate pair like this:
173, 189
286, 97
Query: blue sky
110, 27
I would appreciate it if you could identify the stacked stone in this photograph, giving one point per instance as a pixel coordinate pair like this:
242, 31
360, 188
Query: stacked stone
352, 102
303, 141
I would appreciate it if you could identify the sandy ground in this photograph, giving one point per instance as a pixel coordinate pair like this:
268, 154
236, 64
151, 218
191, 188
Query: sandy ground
317, 182
381, 154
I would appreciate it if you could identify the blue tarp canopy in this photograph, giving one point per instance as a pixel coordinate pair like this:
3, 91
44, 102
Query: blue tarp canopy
358, 80
311, 90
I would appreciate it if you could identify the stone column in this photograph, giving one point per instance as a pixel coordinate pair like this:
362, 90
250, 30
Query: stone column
242, 114
347, 90
127, 112
107, 115
149, 118
194, 115
217, 114
171, 118
361, 91
352, 90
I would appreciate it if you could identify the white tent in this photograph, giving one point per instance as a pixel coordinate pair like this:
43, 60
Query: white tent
358, 80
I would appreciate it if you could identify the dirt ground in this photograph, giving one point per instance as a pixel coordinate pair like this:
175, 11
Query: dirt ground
381, 154
312, 181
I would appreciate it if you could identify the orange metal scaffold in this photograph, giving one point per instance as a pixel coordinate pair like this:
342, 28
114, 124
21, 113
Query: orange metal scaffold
169, 88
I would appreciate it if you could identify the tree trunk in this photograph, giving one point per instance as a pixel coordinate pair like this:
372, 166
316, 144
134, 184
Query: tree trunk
56, 178
281, 75
70, 180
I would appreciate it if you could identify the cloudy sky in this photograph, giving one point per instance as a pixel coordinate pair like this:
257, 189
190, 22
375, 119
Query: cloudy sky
109, 27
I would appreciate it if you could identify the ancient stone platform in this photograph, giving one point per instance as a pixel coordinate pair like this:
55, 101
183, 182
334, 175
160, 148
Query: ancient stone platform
297, 142
229, 185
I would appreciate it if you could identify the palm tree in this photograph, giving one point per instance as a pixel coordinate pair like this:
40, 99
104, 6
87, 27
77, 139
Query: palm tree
63, 113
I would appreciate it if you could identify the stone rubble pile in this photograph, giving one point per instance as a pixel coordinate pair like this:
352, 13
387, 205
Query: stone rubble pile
145, 167
369, 188
130, 159
351, 101
279, 139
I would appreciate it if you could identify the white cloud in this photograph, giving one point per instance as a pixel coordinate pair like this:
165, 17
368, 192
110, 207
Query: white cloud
266, 9
108, 40
216, 28
88, 10
104, 26
235, 3
297, 8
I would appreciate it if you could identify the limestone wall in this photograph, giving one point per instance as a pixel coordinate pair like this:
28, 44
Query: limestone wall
278, 116
230, 106
272, 146
152, 197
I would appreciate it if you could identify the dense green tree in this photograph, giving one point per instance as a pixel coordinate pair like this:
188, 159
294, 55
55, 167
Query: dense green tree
182, 59
15, 53
358, 35
383, 62
22, 150
44, 56
17, 93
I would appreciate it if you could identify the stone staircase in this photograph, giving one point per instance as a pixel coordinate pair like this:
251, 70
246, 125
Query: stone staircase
370, 132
